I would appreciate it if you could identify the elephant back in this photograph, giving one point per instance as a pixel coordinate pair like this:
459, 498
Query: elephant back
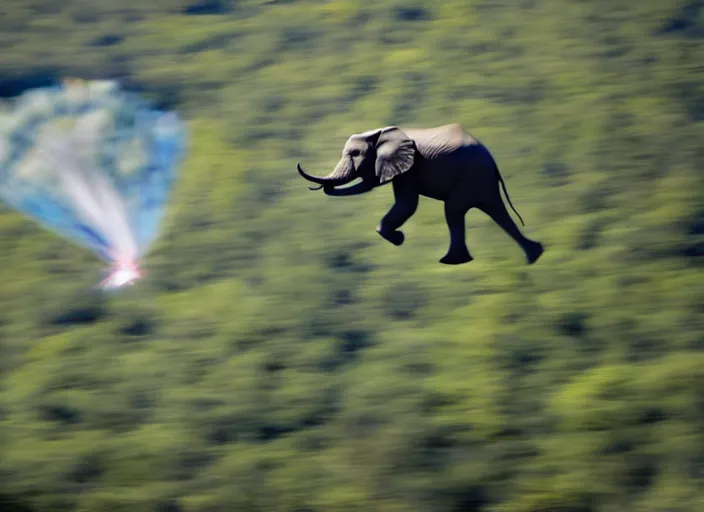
440, 141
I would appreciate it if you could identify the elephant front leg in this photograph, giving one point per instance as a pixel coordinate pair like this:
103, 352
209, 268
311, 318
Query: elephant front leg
458, 253
406, 204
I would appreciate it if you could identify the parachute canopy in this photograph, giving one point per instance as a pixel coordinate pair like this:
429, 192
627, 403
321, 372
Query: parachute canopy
94, 164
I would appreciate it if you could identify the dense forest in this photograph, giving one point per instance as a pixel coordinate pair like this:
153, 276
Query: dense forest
280, 356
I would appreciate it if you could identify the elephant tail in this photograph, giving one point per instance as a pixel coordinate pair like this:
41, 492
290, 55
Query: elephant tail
503, 185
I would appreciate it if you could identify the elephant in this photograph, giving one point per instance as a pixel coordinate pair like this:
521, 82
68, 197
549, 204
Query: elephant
444, 163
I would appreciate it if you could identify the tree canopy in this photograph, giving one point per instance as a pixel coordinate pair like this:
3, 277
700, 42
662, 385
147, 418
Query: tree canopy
280, 356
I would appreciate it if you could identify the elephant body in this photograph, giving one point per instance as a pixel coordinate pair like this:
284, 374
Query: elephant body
443, 163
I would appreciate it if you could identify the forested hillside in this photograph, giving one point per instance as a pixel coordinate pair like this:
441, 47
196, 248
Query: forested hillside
280, 356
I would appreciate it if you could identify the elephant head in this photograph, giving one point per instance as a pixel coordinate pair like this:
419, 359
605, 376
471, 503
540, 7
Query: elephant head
376, 156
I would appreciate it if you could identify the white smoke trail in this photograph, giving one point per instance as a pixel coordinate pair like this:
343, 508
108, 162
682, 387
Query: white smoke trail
94, 198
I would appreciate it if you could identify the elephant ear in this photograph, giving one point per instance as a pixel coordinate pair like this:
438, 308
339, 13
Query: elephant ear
395, 153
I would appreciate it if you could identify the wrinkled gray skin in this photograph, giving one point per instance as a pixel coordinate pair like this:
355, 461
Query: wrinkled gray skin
443, 163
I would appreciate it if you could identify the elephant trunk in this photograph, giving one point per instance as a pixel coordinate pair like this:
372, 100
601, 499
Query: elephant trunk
341, 175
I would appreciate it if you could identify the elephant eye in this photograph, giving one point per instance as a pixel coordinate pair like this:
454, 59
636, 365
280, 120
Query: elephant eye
355, 152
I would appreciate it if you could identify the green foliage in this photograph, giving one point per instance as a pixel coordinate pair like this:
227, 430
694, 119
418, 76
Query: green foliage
280, 356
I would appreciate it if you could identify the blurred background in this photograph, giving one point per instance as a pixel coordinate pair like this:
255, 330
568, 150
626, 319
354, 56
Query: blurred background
280, 356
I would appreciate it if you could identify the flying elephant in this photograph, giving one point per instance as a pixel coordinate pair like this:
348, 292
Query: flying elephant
443, 163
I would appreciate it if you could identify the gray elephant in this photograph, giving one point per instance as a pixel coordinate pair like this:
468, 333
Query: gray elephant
443, 163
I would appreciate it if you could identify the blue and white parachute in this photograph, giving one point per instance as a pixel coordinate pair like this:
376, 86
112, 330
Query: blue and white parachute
93, 163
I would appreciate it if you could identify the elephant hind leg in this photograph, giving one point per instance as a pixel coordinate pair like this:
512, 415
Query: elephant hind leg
458, 253
497, 211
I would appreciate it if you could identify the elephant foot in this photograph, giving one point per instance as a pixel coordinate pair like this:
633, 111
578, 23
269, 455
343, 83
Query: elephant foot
534, 251
456, 257
395, 237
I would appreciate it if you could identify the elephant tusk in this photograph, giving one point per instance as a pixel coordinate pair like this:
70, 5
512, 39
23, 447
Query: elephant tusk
328, 182
302, 172
307, 177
